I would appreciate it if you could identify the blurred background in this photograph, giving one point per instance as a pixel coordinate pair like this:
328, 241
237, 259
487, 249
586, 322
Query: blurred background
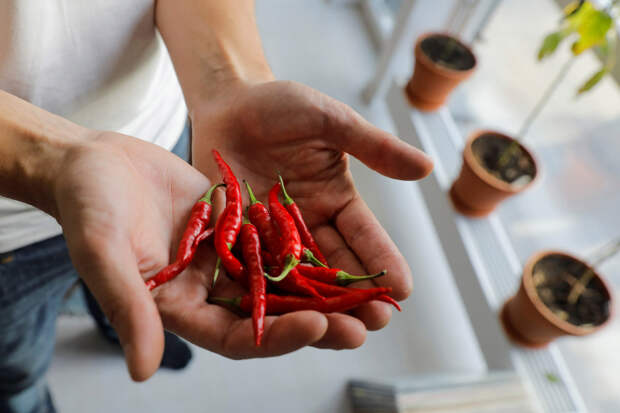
337, 47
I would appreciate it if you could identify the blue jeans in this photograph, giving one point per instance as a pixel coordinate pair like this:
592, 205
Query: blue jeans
33, 282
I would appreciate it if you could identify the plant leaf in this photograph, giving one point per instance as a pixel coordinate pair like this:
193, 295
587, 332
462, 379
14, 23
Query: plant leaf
594, 79
550, 44
591, 25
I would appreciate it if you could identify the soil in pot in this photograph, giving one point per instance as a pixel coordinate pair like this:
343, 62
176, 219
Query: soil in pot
554, 276
448, 52
505, 160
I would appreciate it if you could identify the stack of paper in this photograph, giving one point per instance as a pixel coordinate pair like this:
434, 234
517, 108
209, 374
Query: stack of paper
495, 392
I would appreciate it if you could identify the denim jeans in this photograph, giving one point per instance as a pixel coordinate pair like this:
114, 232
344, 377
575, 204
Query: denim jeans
33, 282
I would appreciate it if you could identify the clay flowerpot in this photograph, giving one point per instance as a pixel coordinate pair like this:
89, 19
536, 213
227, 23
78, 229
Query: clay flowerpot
541, 310
441, 63
495, 166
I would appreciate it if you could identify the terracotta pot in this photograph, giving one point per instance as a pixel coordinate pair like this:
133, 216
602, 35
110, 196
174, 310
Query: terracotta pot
476, 192
526, 319
431, 82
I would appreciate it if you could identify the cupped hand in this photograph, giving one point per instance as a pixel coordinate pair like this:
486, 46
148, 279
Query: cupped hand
292, 129
123, 205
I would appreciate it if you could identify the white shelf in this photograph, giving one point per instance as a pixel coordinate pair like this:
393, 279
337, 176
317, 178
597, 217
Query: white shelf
484, 264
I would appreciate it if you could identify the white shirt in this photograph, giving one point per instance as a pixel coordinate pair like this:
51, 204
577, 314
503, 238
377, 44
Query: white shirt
99, 63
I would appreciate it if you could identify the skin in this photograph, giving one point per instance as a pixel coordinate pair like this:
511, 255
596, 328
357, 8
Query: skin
123, 203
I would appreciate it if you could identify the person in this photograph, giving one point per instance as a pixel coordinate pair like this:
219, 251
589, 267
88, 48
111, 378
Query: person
90, 107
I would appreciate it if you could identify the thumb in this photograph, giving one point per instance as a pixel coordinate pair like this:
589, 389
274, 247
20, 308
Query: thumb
379, 150
116, 283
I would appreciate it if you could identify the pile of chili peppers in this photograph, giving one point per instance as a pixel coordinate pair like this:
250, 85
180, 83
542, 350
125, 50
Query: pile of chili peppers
271, 252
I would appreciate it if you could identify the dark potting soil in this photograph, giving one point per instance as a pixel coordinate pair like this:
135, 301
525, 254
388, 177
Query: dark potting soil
503, 159
554, 277
448, 52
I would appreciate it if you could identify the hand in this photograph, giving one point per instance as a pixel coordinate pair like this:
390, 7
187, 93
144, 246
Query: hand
305, 135
123, 205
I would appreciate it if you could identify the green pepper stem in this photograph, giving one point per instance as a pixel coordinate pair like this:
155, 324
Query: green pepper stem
309, 257
245, 220
287, 199
207, 197
290, 263
344, 278
253, 199
216, 272
236, 302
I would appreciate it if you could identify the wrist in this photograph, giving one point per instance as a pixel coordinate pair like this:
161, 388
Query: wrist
231, 77
38, 171
34, 146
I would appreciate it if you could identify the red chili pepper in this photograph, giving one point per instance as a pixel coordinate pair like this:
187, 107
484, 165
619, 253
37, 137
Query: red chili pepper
268, 259
195, 232
304, 233
293, 283
233, 266
328, 290
277, 304
334, 275
226, 234
250, 245
291, 248
259, 216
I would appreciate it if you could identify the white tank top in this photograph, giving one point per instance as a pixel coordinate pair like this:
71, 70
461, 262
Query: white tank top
99, 63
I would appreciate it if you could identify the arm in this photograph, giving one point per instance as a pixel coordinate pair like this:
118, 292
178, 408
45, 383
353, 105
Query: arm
261, 126
113, 196
33, 143
214, 44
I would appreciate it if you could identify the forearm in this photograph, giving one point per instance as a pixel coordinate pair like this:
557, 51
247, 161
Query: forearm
213, 44
33, 144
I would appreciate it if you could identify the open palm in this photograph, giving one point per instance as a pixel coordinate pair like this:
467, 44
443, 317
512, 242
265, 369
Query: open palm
292, 129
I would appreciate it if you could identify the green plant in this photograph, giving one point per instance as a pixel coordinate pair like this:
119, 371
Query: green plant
589, 28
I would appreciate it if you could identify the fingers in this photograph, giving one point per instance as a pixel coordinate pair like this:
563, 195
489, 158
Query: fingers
378, 149
113, 277
373, 246
217, 329
343, 332
375, 315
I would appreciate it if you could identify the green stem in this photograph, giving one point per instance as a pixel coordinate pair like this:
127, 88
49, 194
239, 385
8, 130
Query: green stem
308, 256
216, 272
253, 199
531, 117
235, 302
218, 262
344, 278
507, 155
452, 43
609, 250
207, 197
289, 263
287, 199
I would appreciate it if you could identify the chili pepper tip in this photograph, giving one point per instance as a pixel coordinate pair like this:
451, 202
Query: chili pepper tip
287, 199
309, 257
390, 300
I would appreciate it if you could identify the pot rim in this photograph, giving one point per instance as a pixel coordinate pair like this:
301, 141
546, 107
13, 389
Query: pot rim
484, 175
453, 73
544, 311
